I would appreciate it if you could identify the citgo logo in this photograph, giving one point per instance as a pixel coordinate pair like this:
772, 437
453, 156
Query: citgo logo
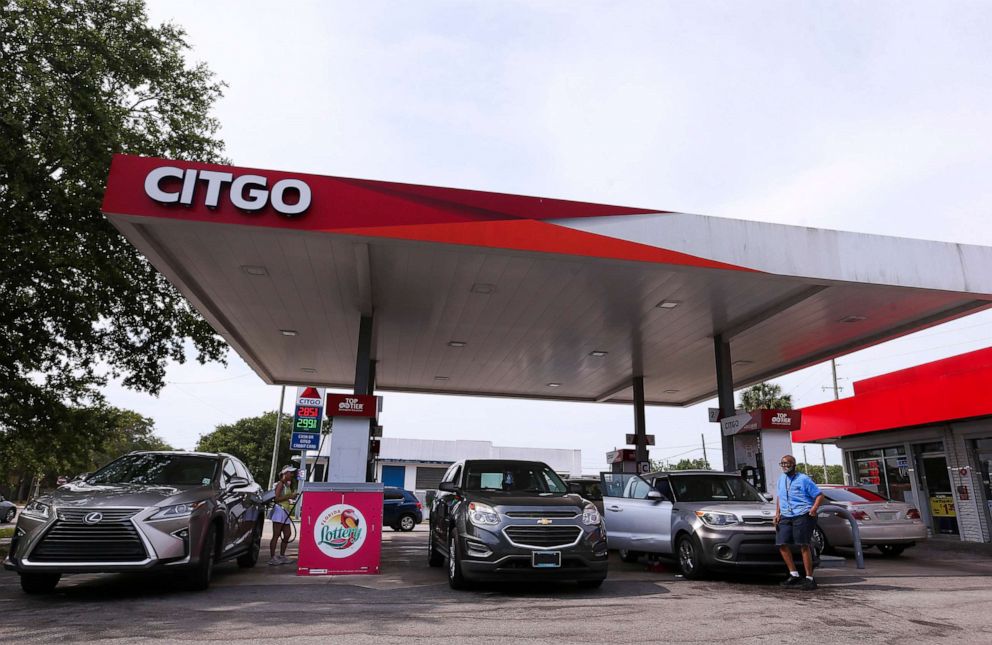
339, 531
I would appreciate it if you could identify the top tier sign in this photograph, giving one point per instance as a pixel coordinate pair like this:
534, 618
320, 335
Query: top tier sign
352, 405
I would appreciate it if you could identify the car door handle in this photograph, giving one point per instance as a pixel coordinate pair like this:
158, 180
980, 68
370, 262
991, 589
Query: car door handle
615, 509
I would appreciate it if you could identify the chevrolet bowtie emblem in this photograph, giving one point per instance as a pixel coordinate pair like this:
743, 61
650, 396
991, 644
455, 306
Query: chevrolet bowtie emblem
544, 520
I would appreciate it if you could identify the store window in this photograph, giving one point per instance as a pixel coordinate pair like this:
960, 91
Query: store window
884, 471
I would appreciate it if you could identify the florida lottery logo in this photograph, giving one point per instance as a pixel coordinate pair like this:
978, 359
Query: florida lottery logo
339, 531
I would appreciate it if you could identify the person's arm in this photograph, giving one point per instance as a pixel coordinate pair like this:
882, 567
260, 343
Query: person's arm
778, 511
816, 504
280, 487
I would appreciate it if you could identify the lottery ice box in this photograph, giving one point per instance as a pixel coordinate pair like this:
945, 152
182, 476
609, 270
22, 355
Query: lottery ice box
340, 529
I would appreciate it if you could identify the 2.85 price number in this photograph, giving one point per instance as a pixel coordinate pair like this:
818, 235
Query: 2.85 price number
304, 411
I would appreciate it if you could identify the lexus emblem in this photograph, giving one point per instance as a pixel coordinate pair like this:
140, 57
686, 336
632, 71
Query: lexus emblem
544, 521
93, 518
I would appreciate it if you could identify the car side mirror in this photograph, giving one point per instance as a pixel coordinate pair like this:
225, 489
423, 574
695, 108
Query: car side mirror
447, 487
655, 496
237, 482
768, 497
81, 477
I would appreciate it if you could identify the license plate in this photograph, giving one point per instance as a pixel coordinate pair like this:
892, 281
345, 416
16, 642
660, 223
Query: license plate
546, 559
885, 515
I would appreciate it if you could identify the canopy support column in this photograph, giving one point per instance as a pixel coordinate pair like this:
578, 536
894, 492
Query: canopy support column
350, 439
640, 425
725, 397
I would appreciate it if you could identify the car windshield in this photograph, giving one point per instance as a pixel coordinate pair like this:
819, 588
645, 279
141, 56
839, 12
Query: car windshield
851, 495
708, 488
589, 490
157, 470
524, 477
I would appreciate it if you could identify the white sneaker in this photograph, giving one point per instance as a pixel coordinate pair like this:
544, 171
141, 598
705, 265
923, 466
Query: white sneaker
274, 561
283, 559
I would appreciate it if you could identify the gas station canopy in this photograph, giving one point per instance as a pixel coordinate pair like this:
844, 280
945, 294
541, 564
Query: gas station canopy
488, 294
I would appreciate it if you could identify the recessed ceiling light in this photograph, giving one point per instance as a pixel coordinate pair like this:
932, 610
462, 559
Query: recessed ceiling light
743, 362
253, 269
482, 287
308, 370
598, 353
287, 332
668, 304
440, 378
853, 319
670, 391
456, 343
554, 384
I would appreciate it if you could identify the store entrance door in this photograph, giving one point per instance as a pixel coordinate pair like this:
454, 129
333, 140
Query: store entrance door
936, 482
983, 454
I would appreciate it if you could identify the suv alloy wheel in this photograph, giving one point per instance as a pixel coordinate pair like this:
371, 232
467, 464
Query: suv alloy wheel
199, 578
407, 522
690, 563
455, 578
250, 557
39, 583
434, 559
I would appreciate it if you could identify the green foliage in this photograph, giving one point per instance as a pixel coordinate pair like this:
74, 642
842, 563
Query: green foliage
79, 81
88, 438
250, 440
765, 396
683, 464
834, 471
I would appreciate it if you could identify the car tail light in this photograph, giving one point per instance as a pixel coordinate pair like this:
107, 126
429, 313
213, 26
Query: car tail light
912, 514
861, 516
419, 506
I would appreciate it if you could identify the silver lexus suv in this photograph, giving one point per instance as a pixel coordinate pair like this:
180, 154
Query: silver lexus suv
181, 511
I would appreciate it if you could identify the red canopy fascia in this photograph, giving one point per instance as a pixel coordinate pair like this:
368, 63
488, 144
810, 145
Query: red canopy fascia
952, 388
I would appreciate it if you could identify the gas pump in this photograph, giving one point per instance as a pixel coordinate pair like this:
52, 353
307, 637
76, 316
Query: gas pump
760, 439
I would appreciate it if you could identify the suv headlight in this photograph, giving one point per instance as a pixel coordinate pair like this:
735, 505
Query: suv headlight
37, 509
714, 518
482, 514
590, 515
176, 511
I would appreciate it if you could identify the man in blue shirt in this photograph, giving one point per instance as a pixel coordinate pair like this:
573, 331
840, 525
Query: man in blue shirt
797, 501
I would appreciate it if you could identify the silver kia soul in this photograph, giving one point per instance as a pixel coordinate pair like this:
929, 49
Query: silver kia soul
181, 511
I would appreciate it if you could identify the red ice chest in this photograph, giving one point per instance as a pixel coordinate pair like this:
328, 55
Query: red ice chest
340, 529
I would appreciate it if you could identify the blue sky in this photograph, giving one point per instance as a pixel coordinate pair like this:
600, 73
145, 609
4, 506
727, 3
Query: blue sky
869, 117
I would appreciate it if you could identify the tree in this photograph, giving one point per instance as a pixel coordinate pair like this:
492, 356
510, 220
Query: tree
834, 471
765, 396
683, 464
250, 440
92, 437
79, 81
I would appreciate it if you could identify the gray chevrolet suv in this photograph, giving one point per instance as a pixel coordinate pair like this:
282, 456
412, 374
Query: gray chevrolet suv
181, 511
514, 520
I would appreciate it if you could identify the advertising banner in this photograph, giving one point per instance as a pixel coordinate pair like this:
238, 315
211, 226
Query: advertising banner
352, 405
340, 530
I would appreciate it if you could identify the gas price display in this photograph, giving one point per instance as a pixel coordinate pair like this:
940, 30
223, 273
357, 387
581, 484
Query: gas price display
307, 418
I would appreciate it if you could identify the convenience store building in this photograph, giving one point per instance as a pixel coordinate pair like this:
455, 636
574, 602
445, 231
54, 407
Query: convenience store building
921, 435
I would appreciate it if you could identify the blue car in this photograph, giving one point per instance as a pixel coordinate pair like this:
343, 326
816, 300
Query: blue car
401, 509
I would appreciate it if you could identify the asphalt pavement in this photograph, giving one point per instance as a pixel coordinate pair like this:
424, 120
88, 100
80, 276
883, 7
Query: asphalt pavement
929, 594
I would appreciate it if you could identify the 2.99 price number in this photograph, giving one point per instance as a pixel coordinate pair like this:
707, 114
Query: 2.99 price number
308, 424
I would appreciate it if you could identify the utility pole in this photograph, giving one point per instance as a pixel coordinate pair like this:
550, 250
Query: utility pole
805, 463
275, 442
823, 450
705, 459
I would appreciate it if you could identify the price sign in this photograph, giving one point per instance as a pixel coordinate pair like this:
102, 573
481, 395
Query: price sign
307, 417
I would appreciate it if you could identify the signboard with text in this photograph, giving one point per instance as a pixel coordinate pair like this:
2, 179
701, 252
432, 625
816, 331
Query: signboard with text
352, 405
307, 416
340, 531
